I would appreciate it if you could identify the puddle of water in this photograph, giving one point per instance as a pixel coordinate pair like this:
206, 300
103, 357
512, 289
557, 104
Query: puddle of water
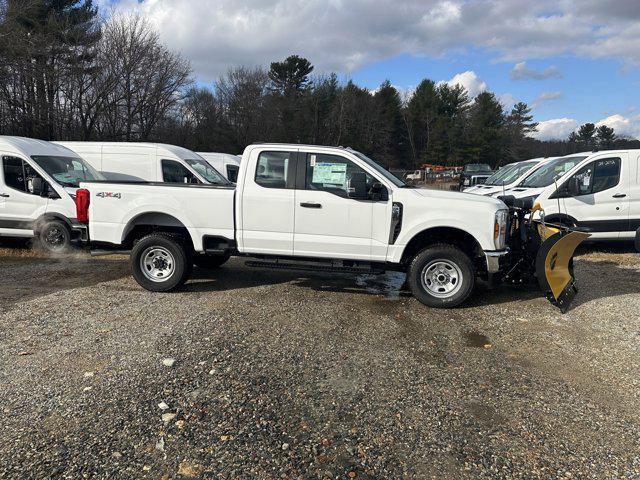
388, 284
477, 340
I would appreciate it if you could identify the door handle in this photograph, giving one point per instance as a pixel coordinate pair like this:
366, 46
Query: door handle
5, 195
620, 195
310, 205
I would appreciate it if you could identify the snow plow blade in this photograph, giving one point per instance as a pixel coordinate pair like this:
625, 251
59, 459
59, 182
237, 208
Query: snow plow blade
554, 268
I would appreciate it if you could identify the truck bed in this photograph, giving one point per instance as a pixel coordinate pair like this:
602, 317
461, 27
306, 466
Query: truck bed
204, 210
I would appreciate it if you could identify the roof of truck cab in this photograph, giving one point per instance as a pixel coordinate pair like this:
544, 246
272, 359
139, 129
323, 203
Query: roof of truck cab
32, 146
179, 152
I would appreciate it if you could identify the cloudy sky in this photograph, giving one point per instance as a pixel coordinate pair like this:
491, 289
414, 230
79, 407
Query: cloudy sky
572, 60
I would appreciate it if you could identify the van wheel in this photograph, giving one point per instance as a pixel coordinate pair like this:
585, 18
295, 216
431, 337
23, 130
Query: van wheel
161, 262
210, 262
54, 236
441, 276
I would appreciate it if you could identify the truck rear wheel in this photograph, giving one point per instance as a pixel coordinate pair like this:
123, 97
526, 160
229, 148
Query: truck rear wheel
161, 262
441, 276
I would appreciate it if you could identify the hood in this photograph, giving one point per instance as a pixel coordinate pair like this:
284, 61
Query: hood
459, 197
520, 192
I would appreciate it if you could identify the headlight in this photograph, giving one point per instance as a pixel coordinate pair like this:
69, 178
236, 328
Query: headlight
500, 229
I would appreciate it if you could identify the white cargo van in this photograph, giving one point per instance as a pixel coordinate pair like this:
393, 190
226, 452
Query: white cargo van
149, 162
225, 163
535, 182
600, 194
38, 181
507, 177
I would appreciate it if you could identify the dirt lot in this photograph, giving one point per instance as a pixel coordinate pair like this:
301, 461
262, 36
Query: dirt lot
289, 375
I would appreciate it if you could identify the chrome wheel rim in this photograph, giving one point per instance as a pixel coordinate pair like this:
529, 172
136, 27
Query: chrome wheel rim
441, 278
157, 264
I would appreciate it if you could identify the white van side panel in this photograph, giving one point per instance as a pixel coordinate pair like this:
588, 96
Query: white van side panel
634, 193
136, 161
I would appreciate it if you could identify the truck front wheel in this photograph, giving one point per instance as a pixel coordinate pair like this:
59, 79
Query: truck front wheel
161, 262
441, 276
54, 237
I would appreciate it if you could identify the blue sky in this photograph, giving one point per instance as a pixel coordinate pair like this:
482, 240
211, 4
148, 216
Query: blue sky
574, 61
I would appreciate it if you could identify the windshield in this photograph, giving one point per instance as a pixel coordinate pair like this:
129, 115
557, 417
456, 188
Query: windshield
477, 167
509, 173
207, 172
67, 171
545, 175
382, 171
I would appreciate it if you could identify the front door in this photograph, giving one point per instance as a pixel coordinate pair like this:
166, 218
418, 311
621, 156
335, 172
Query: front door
602, 204
328, 223
19, 208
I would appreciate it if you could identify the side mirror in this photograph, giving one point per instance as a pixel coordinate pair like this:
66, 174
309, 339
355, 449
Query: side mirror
38, 186
573, 186
357, 187
379, 192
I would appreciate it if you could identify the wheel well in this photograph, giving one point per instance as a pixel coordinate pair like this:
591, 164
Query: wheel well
47, 217
561, 218
452, 236
151, 222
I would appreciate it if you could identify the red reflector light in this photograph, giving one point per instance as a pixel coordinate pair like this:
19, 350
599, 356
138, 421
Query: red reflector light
82, 205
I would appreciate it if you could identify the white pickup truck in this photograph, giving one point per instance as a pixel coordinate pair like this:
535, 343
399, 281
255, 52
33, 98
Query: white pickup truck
307, 207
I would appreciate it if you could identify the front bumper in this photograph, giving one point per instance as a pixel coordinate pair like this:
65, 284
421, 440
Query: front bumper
496, 260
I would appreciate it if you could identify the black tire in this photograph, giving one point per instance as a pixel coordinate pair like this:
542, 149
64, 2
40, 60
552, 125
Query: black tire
210, 262
438, 288
54, 236
161, 262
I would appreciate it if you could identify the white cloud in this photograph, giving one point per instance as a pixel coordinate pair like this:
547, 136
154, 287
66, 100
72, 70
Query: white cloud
560, 128
470, 81
555, 129
545, 97
626, 126
507, 101
521, 72
344, 35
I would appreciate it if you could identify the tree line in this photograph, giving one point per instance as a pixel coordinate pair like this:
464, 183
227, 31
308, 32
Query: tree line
67, 74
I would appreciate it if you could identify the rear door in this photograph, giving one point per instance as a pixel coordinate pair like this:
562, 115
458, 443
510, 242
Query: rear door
328, 223
268, 196
19, 208
602, 204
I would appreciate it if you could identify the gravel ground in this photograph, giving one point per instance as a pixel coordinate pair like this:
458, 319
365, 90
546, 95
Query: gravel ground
288, 375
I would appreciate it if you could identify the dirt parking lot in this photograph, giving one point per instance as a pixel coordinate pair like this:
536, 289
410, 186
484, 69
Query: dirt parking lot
290, 375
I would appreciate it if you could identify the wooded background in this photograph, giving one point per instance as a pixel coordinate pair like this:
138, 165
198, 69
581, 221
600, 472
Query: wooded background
66, 74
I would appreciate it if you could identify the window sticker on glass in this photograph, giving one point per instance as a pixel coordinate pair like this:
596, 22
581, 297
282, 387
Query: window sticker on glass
330, 173
312, 161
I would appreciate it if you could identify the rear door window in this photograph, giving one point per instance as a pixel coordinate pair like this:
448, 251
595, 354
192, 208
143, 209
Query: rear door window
272, 169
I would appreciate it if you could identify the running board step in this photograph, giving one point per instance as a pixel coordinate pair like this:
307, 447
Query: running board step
313, 267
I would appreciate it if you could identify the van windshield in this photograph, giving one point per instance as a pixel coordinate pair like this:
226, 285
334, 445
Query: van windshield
67, 171
509, 173
207, 172
547, 174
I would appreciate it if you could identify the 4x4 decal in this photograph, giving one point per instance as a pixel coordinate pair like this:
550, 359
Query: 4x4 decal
108, 195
